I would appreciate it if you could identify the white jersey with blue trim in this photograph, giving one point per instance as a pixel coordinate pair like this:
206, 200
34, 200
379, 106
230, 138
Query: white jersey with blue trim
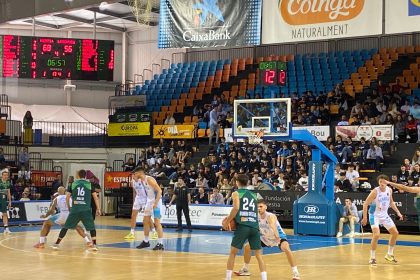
150, 191
267, 234
139, 188
61, 203
382, 201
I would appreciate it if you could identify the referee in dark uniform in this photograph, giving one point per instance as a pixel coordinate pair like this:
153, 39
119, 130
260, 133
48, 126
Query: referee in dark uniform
183, 199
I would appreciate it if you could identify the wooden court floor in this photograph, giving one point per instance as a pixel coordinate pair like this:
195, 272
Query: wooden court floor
200, 255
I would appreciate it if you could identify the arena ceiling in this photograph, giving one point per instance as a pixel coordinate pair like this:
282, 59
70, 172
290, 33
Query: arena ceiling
110, 15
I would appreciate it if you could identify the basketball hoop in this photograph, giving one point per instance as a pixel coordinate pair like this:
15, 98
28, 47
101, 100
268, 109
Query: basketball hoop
142, 10
255, 137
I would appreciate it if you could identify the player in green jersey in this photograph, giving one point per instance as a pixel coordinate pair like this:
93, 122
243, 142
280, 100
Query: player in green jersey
245, 213
81, 195
4, 196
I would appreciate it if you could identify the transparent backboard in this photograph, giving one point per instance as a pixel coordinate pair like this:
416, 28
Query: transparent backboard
272, 116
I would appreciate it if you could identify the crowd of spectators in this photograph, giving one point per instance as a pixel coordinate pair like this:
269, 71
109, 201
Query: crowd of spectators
409, 172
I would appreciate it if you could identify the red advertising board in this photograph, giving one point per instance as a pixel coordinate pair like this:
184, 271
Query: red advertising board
113, 180
43, 178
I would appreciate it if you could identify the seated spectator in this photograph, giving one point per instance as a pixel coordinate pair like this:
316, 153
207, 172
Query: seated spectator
255, 178
261, 186
58, 182
216, 198
201, 182
416, 158
408, 165
24, 158
24, 174
169, 119
399, 129
129, 165
25, 197
374, 157
411, 129
343, 184
353, 176
2, 158
303, 181
344, 121
416, 173
201, 197
225, 188
349, 215
410, 182
403, 175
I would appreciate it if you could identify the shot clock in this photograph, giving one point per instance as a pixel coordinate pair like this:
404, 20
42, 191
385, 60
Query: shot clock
273, 73
56, 58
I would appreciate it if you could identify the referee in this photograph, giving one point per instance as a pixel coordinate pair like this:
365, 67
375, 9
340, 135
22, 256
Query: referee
183, 199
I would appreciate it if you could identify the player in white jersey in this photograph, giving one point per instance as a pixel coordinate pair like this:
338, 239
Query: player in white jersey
382, 198
139, 203
272, 235
59, 203
152, 207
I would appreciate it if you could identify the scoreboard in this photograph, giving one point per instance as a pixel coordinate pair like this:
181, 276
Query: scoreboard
56, 58
272, 73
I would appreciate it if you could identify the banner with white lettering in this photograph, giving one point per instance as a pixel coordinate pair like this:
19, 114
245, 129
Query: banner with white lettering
402, 16
34, 210
209, 23
380, 132
200, 215
296, 20
320, 132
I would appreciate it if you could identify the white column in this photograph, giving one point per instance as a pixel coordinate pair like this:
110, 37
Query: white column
124, 57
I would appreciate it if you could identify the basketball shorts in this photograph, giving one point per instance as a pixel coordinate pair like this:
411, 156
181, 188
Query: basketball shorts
149, 211
59, 218
386, 221
3, 205
84, 216
244, 233
281, 241
138, 204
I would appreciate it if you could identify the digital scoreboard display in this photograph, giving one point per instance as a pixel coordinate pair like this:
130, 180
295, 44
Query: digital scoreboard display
56, 58
273, 73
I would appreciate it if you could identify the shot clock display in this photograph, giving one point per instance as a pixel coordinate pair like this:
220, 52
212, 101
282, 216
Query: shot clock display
273, 73
56, 58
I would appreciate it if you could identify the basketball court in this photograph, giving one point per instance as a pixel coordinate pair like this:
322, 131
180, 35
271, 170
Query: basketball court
199, 255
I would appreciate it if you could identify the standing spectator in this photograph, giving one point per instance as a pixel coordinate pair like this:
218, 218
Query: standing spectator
349, 215
201, 197
169, 120
27, 127
216, 198
24, 158
214, 124
58, 182
2, 158
183, 200
129, 165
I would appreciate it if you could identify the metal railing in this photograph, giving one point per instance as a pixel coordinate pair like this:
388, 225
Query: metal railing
69, 134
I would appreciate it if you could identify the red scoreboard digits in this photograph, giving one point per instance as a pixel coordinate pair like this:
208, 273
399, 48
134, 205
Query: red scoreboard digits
273, 73
56, 58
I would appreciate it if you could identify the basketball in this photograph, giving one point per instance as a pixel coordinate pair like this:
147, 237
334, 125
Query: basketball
232, 225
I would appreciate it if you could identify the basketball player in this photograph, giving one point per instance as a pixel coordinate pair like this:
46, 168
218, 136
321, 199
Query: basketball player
382, 198
245, 213
272, 235
139, 204
153, 203
410, 190
5, 193
81, 195
59, 202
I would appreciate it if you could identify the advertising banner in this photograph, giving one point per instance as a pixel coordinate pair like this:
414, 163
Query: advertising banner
129, 129
201, 215
209, 23
402, 16
174, 131
320, 132
43, 178
17, 212
296, 20
34, 210
381, 132
113, 180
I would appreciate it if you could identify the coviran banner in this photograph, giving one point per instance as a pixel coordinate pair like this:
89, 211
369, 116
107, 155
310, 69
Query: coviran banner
209, 23
304, 20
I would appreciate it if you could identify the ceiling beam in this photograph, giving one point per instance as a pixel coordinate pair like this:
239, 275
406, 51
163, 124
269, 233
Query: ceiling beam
43, 24
88, 21
154, 10
126, 16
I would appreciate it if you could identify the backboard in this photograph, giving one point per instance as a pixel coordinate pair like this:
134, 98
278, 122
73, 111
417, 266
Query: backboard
272, 116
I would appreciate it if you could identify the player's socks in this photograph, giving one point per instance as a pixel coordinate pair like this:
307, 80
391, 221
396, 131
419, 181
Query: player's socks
228, 274
246, 266
160, 240
391, 250
42, 239
372, 254
87, 239
264, 275
146, 238
132, 231
295, 270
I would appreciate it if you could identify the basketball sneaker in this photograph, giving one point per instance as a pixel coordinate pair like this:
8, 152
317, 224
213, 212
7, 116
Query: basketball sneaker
296, 276
158, 247
391, 259
143, 245
55, 246
372, 262
154, 235
130, 236
339, 234
92, 247
39, 245
242, 272
7, 231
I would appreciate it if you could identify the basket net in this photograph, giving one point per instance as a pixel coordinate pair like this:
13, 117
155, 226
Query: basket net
142, 10
255, 137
